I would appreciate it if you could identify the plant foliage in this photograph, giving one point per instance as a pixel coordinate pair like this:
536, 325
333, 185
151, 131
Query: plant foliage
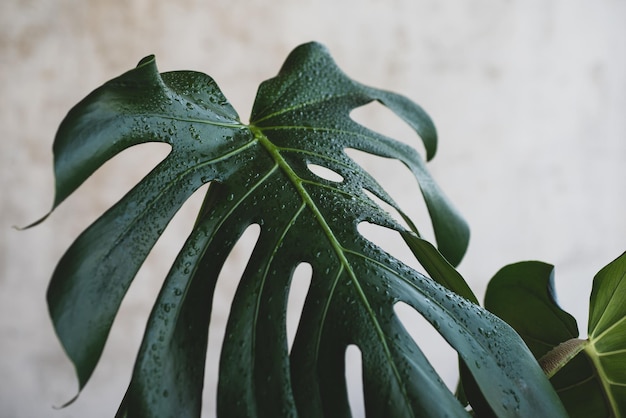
588, 374
259, 173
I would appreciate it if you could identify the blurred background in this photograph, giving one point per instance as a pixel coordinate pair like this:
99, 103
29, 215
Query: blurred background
529, 99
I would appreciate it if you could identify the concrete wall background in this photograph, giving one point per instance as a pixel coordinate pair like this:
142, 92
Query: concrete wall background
528, 98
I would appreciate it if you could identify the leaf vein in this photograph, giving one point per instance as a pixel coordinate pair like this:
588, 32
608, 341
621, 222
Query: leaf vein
169, 185
337, 247
613, 295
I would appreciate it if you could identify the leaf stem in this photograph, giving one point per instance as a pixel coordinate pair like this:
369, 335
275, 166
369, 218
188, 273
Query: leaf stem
559, 356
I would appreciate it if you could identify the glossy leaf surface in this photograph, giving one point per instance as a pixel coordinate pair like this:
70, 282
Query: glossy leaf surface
260, 174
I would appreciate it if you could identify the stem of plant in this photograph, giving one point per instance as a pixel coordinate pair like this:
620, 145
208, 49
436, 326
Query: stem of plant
559, 356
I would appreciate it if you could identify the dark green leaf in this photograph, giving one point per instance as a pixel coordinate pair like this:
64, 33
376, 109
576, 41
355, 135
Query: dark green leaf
588, 374
438, 267
260, 174
580, 390
523, 295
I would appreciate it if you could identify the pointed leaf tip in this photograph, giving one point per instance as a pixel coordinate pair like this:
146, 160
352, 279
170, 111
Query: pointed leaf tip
33, 224
147, 60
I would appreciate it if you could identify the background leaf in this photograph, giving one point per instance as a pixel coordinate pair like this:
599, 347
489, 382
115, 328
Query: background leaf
607, 332
523, 295
260, 174
591, 384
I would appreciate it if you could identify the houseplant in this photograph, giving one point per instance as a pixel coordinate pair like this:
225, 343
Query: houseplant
262, 173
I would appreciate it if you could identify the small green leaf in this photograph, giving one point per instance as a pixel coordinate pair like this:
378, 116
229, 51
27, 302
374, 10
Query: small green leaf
523, 295
607, 333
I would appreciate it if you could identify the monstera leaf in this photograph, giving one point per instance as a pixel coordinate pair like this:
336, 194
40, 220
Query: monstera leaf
261, 173
589, 375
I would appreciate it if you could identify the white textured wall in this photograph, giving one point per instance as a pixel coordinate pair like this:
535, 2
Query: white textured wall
529, 98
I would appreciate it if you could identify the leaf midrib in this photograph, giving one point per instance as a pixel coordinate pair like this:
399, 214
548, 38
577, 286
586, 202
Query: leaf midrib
605, 382
337, 247
600, 320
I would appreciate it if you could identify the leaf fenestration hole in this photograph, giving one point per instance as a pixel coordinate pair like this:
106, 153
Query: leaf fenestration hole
387, 208
354, 380
325, 173
400, 184
112, 180
129, 325
300, 282
389, 241
439, 353
225, 289
379, 118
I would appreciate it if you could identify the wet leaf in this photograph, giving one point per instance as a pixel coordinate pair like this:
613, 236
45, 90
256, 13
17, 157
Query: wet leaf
260, 174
